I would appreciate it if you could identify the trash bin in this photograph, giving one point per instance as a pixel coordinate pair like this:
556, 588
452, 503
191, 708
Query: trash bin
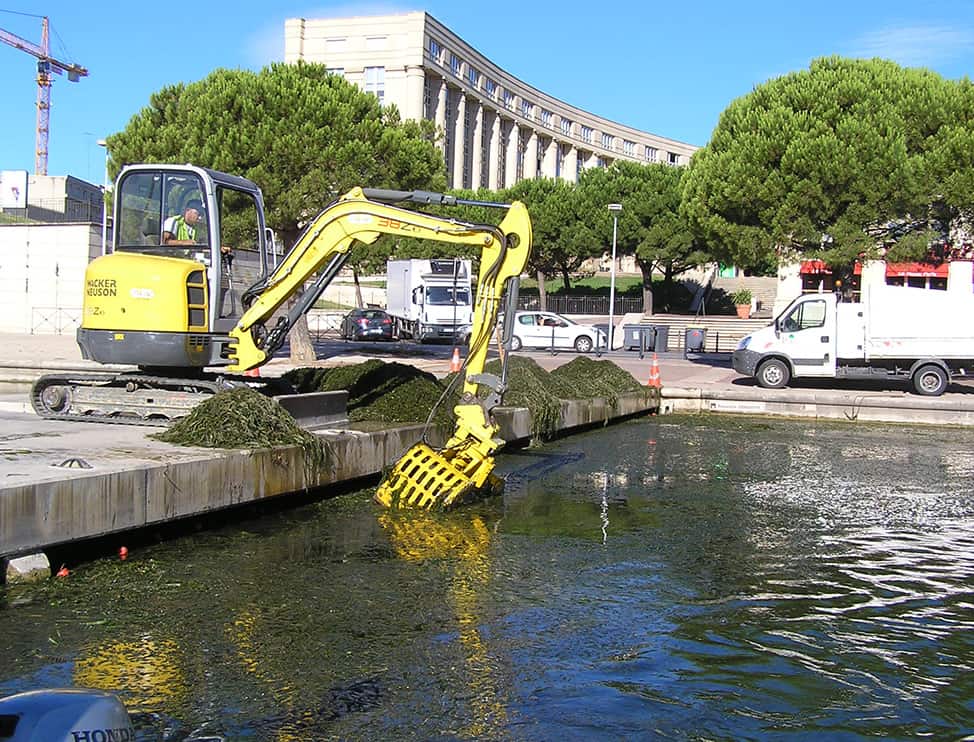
662, 344
694, 340
637, 335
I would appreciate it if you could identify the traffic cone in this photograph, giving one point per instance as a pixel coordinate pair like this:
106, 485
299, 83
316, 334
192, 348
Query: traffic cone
455, 361
255, 372
654, 379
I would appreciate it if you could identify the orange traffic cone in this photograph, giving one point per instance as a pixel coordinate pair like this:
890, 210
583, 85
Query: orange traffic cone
255, 372
455, 361
654, 379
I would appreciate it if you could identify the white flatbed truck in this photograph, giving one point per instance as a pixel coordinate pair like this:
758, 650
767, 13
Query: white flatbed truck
922, 336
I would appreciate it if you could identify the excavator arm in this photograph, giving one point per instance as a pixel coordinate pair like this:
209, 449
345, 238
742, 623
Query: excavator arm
322, 249
463, 469
423, 477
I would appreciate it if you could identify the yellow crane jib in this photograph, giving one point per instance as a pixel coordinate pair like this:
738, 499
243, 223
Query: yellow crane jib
463, 469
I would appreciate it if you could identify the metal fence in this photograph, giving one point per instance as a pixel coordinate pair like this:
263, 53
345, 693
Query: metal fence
582, 304
54, 211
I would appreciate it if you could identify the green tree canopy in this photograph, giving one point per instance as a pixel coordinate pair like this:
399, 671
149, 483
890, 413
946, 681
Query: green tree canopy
835, 161
303, 135
561, 226
650, 225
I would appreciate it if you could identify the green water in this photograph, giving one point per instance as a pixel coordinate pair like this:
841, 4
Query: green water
685, 578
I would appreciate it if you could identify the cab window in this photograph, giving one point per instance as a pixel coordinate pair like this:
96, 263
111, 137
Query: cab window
804, 316
149, 201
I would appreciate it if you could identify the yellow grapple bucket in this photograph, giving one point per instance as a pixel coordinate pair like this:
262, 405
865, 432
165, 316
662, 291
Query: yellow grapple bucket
429, 479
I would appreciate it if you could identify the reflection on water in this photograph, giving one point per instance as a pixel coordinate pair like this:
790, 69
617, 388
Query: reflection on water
696, 578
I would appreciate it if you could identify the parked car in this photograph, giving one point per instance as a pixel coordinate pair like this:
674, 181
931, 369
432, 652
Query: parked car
367, 324
547, 329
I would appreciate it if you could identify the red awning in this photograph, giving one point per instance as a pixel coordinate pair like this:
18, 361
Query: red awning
926, 270
814, 266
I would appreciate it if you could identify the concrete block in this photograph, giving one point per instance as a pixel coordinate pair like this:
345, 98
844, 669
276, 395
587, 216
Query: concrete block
29, 568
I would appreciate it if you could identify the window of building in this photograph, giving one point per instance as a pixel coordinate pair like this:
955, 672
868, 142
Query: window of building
566, 125
651, 154
375, 81
340, 71
673, 158
335, 45
587, 134
473, 76
607, 141
545, 118
600, 162
436, 51
509, 99
526, 109
629, 148
491, 87
375, 43
455, 64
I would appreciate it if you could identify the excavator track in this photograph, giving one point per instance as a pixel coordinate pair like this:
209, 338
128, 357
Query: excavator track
124, 399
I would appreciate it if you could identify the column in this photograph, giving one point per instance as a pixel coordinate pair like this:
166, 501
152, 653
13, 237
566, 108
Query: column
549, 163
493, 152
592, 160
440, 118
531, 157
569, 170
477, 159
510, 166
460, 141
415, 80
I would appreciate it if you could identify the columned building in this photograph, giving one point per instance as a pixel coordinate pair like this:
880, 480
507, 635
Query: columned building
494, 129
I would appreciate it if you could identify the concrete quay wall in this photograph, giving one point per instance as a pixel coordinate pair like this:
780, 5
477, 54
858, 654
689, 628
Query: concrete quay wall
844, 405
164, 483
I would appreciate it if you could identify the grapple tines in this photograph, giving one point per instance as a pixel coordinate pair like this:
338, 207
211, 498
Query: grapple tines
427, 479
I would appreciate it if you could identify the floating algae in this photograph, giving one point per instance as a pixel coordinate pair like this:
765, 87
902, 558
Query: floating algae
244, 418
383, 392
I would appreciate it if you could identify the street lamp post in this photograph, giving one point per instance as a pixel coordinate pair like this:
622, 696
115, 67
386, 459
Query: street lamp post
615, 209
104, 201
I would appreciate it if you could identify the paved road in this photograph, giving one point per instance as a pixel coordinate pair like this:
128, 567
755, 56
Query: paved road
28, 355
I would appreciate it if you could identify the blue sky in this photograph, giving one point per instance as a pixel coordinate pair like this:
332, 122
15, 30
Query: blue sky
667, 68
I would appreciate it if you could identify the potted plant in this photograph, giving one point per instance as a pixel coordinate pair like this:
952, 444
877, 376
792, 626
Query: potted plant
742, 301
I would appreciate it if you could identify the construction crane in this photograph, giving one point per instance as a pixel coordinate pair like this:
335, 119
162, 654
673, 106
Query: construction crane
46, 64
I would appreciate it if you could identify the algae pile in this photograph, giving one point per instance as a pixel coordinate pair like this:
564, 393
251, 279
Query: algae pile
393, 393
383, 392
244, 418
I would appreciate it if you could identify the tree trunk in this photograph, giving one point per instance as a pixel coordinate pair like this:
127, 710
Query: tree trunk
542, 292
302, 351
647, 271
358, 289
566, 279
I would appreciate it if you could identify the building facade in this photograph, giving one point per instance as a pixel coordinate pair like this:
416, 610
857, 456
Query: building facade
495, 129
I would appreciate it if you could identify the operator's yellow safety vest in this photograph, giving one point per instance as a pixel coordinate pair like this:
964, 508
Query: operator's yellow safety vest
183, 231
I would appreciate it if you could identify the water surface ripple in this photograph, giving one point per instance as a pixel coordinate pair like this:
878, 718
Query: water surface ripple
676, 578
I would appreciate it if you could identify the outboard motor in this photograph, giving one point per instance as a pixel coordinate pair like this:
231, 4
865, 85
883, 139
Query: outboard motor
64, 715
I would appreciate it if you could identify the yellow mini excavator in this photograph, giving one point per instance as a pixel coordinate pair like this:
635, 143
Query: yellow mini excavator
164, 300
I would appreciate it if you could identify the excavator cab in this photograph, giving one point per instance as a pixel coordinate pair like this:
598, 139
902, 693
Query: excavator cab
185, 240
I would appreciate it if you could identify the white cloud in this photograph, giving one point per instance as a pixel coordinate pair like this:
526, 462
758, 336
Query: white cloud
915, 46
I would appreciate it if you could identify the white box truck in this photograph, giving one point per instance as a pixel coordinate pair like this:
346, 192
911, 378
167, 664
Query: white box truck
918, 335
430, 299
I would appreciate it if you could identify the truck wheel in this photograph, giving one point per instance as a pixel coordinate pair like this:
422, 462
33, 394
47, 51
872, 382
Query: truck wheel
583, 343
515, 343
930, 381
773, 374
